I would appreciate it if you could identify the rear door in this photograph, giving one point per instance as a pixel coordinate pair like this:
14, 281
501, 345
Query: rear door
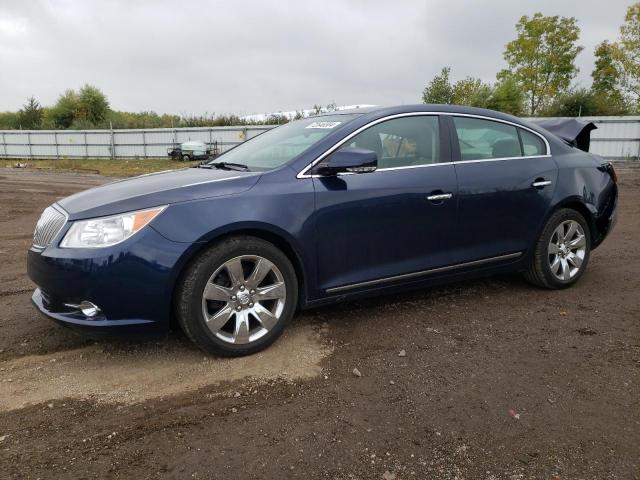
506, 180
397, 220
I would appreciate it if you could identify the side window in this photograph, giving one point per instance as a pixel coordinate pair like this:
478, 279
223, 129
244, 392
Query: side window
532, 144
402, 142
485, 139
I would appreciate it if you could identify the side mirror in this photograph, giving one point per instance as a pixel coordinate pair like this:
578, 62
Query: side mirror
351, 160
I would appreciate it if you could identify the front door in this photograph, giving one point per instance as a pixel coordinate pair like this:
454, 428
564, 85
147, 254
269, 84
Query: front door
399, 219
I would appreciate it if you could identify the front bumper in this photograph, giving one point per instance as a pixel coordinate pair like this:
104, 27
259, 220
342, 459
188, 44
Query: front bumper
132, 284
97, 327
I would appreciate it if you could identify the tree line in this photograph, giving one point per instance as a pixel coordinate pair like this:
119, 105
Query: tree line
541, 67
89, 108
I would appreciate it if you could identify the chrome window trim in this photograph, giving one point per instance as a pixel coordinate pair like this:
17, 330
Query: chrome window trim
481, 160
405, 167
406, 276
333, 148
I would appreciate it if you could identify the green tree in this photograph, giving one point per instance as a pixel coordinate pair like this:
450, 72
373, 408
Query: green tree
471, 92
607, 89
142, 120
584, 102
63, 113
607, 104
276, 119
542, 57
439, 89
630, 52
30, 115
507, 97
9, 120
606, 73
576, 103
92, 108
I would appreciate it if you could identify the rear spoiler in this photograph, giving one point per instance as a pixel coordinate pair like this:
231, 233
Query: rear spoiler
576, 133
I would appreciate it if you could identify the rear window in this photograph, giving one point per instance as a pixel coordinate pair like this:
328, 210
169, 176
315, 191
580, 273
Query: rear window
485, 139
532, 144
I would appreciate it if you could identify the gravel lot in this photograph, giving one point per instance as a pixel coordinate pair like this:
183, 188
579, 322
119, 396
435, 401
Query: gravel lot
499, 380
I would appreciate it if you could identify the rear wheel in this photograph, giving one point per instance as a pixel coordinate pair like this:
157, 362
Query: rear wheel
562, 252
186, 158
237, 297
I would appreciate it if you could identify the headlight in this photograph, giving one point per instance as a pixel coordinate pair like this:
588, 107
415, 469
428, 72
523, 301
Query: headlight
107, 231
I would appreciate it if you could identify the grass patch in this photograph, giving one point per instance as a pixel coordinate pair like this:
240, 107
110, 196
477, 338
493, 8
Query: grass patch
111, 168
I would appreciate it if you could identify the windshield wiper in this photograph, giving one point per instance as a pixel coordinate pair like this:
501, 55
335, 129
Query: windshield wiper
229, 166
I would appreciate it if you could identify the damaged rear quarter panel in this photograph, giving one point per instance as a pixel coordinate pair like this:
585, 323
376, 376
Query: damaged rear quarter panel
581, 181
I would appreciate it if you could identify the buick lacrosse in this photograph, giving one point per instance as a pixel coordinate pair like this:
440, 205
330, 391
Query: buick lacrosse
321, 210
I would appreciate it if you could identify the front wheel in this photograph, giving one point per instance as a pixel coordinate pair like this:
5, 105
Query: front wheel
562, 252
237, 297
186, 158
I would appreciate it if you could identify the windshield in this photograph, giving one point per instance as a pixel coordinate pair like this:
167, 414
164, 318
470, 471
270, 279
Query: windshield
278, 146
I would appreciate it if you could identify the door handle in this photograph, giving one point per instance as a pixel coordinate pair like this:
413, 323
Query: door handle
439, 197
541, 183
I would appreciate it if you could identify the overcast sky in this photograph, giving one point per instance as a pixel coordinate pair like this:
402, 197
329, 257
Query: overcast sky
197, 56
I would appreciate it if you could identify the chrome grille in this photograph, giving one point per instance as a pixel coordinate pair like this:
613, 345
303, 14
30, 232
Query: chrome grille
50, 223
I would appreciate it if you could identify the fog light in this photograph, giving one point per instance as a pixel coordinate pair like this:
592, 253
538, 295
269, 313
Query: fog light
87, 308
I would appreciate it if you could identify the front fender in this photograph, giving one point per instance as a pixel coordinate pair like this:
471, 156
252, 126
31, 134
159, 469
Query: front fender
275, 209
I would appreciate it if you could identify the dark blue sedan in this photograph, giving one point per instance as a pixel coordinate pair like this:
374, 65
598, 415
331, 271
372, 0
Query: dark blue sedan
318, 211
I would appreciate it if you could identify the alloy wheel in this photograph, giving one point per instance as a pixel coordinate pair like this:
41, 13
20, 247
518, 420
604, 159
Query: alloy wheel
567, 249
244, 299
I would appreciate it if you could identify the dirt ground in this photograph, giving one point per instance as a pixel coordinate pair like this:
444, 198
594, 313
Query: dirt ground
500, 380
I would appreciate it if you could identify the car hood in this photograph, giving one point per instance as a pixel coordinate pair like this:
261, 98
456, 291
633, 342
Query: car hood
155, 189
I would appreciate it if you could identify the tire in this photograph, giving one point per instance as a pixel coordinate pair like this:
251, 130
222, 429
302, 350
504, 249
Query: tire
233, 320
186, 158
561, 253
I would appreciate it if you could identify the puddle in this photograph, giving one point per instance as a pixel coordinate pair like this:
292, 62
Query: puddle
150, 372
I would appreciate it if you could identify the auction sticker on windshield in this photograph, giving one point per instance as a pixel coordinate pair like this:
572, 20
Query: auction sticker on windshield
323, 125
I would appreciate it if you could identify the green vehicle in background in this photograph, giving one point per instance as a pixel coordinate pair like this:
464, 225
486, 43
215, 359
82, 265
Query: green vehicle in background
189, 151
